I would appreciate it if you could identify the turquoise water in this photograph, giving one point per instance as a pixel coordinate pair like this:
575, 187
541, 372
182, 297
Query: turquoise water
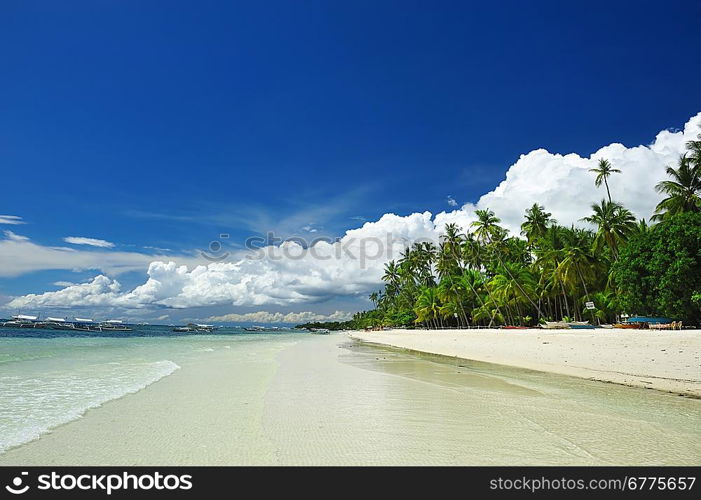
48, 378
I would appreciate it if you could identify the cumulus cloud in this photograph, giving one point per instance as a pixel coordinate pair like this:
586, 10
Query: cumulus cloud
564, 185
93, 242
11, 219
352, 266
269, 317
451, 201
100, 291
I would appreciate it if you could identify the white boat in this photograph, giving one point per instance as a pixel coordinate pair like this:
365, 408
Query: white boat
114, 325
57, 323
205, 328
320, 331
193, 327
554, 325
22, 321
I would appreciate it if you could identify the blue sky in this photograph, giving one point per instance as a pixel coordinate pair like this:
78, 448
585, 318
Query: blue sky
167, 124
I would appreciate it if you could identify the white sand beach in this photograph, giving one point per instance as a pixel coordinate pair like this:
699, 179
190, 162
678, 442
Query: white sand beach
663, 360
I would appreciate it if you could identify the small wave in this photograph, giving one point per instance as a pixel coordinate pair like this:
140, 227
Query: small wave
205, 349
33, 406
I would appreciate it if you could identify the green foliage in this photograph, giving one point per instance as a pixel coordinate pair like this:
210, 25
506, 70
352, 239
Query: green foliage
483, 276
658, 272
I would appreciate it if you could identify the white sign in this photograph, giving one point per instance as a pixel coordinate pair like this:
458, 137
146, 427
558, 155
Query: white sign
590, 305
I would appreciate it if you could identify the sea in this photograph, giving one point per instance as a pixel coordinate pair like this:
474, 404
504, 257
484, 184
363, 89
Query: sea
50, 377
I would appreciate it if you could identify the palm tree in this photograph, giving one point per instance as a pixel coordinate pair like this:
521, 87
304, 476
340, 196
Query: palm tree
683, 191
579, 265
485, 225
392, 276
428, 305
487, 229
641, 227
614, 222
452, 293
603, 172
513, 285
537, 222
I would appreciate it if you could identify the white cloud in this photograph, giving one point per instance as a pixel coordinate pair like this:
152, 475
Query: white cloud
101, 291
451, 201
14, 237
93, 242
11, 219
288, 274
20, 255
564, 185
269, 317
63, 283
163, 317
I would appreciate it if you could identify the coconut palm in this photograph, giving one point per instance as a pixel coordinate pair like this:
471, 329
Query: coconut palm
427, 307
603, 171
537, 222
487, 229
512, 286
614, 223
579, 264
683, 191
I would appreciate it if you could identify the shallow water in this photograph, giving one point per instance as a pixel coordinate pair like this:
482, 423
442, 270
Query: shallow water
389, 407
295, 399
51, 378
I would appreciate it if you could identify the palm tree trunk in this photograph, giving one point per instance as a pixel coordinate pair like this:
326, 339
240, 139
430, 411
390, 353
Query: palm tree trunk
564, 296
607, 189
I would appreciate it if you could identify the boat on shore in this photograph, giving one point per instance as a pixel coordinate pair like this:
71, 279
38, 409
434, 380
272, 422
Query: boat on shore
554, 325
628, 326
581, 325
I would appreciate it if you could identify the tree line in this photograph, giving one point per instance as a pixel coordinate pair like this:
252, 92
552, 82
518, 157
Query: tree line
484, 276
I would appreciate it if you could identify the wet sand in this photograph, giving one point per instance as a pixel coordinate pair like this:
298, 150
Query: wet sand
326, 400
664, 360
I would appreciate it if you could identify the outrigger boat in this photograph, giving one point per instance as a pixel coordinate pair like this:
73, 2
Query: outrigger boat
555, 325
23, 321
114, 325
193, 327
319, 331
581, 325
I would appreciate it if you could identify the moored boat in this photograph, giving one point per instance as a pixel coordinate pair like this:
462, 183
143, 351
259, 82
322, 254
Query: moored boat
23, 321
114, 325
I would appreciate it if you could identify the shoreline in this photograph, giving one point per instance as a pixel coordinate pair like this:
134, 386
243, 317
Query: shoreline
659, 360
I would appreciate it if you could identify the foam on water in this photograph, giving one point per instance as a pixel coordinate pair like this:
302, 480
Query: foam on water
33, 403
